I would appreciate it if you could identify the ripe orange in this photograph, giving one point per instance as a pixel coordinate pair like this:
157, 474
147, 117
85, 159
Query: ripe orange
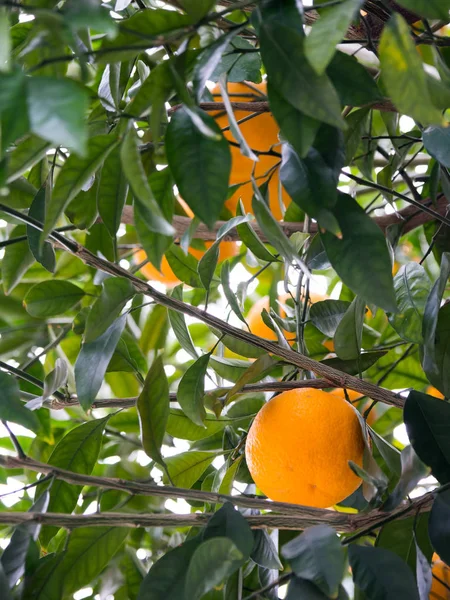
261, 133
256, 323
441, 572
167, 276
354, 396
432, 391
299, 445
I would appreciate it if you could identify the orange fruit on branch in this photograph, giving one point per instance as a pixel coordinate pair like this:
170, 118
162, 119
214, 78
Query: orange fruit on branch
441, 580
299, 445
261, 133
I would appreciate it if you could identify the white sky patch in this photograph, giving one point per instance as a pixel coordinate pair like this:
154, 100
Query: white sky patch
179, 507
83, 593
110, 460
124, 263
401, 435
406, 124
218, 462
169, 370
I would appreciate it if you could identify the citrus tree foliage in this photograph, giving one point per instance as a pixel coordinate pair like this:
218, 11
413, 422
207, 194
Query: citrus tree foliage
126, 404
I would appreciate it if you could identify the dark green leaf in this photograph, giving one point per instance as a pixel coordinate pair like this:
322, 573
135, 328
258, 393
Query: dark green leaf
26, 154
251, 240
191, 390
327, 32
56, 109
439, 525
440, 377
430, 9
264, 552
327, 314
50, 298
381, 574
399, 59
14, 119
178, 324
153, 410
112, 192
370, 276
430, 317
45, 254
413, 470
348, 336
317, 555
208, 61
93, 360
427, 421
283, 54
133, 169
239, 67
184, 266
200, 165
75, 173
166, 578
436, 141
412, 286
356, 126
212, 562
352, 81
301, 588
116, 292
228, 522
11, 408
298, 129
16, 260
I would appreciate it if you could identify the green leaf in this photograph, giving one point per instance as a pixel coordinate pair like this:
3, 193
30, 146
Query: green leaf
178, 324
348, 336
438, 525
153, 410
197, 8
301, 588
13, 559
390, 454
328, 31
13, 109
399, 58
229, 523
356, 126
427, 421
311, 182
440, 377
112, 192
251, 240
352, 81
180, 426
381, 574
167, 576
75, 173
317, 555
256, 372
283, 54
89, 551
156, 244
430, 9
93, 360
116, 292
57, 110
229, 294
133, 169
186, 468
212, 562
11, 408
245, 66
413, 470
430, 318
43, 585
184, 266
79, 14
298, 129
77, 451
327, 314
370, 275
191, 390
50, 298
412, 286
16, 260
45, 255
355, 367
54, 380
264, 552
200, 165
436, 141
25, 155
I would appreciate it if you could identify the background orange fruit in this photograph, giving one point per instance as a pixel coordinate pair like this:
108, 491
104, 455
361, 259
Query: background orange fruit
354, 396
167, 276
432, 391
442, 571
299, 445
261, 133
256, 323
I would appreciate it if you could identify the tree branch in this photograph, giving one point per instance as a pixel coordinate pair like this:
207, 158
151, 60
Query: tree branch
411, 217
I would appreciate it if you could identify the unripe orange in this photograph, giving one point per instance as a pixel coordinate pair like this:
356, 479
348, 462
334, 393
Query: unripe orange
441, 579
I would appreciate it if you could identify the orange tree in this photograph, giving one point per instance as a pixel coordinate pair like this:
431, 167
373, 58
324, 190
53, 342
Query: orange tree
146, 450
